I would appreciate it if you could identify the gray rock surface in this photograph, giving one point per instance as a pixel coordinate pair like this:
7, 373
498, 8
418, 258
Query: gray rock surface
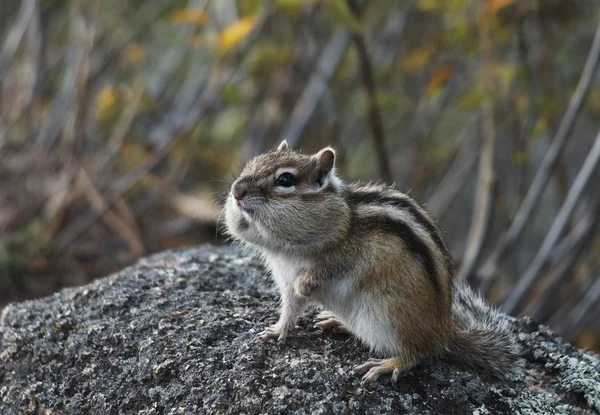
175, 334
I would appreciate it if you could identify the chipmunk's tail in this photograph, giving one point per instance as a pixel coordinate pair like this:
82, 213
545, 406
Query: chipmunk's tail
482, 336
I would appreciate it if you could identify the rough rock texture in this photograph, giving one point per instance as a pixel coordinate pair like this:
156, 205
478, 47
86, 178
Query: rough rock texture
176, 334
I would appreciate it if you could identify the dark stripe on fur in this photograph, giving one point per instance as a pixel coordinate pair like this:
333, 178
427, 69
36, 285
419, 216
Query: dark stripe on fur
417, 247
409, 205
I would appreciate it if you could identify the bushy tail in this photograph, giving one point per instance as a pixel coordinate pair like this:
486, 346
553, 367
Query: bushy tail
482, 336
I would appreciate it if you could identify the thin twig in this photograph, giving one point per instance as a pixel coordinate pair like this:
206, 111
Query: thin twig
582, 311
122, 186
456, 174
563, 258
120, 225
386, 48
108, 60
54, 123
15, 36
368, 79
328, 62
485, 185
483, 198
421, 123
87, 28
568, 243
174, 123
195, 82
387, 45
105, 62
121, 128
543, 175
532, 274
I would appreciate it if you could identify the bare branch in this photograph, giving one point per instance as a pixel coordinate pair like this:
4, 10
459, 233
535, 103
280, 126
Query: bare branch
122, 186
148, 14
583, 309
422, 121
483, 196
387, 45
15, 36
193, 107
366, 71
120, 129
543, 175
86, 28
455, 176
532, 274
328, 62
54, 123
563, 258
485, 185
121, 226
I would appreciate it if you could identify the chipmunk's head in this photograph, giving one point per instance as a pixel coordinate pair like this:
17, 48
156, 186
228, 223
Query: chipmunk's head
287, 201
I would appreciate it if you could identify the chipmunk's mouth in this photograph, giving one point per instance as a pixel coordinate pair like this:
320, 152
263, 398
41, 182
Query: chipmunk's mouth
243, 205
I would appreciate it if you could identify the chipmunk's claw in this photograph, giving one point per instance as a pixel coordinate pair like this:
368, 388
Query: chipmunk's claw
327, 320
364, 368
273, 332
374, 368
395, 375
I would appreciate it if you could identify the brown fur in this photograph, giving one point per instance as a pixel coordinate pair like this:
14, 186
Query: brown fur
370, 254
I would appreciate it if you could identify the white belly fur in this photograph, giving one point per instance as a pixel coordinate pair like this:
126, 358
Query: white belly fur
358, 311
284, 270
361, 315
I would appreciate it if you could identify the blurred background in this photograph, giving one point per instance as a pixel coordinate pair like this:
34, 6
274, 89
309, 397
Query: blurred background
123, 122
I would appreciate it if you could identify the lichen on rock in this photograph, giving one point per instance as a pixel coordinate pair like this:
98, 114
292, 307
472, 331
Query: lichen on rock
175, 334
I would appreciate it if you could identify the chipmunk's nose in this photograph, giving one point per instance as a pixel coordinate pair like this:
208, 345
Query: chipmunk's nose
238, 191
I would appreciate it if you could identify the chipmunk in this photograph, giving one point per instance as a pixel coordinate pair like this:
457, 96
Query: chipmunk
372, 257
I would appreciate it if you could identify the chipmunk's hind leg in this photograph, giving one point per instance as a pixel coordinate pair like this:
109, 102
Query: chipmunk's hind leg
374, 368
327, 320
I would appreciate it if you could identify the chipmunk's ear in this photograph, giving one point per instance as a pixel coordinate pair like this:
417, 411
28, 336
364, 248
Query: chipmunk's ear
283, 146
326, 159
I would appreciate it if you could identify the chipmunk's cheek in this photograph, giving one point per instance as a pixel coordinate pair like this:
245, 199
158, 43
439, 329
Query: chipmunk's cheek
243, 224
234, 217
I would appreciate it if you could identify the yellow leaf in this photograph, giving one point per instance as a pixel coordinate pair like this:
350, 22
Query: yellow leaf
189, 16
417, 58
492, 6
429, 5
105, 99
236, 32
133, 54
442, 5
439, 79
293, 6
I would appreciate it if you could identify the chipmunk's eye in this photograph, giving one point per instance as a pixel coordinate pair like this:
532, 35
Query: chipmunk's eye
285, 180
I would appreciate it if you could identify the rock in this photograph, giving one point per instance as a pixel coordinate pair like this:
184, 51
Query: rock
175, 334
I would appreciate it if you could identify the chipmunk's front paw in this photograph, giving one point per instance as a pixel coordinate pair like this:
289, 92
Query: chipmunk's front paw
273, 332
